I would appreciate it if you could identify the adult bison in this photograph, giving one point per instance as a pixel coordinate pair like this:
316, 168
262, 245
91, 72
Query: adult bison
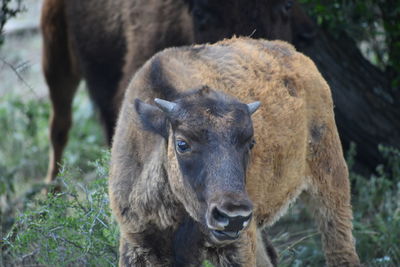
105, 42
186, 183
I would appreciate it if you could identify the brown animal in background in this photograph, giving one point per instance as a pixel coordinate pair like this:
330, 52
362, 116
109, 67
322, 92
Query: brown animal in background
186, 183
105, 42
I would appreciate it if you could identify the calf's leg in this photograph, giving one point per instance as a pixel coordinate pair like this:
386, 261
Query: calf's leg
133, 255
329, 194
187, 244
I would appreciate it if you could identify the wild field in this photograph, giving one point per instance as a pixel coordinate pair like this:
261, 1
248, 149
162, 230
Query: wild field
75, 227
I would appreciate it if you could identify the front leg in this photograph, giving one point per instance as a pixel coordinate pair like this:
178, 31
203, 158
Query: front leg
187, 244
149, 248
132, 255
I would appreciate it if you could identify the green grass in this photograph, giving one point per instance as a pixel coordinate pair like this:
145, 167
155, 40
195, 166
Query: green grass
76, 227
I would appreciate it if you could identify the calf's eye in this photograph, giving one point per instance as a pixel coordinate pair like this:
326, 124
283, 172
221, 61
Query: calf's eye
182, 146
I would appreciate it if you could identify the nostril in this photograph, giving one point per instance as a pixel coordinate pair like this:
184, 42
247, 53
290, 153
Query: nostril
221, 218
224, 221
238, 223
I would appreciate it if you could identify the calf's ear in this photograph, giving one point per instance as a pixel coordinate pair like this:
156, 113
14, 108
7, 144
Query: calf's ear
152, 118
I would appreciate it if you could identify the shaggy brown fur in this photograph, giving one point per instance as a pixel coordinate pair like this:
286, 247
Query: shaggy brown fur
297, 150
105, 42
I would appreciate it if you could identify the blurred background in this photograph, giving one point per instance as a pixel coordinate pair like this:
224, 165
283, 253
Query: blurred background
356, 46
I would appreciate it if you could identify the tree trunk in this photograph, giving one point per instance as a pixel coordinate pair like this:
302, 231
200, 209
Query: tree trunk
365, 112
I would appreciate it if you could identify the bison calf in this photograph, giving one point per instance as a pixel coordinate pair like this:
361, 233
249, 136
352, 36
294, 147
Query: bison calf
197, 172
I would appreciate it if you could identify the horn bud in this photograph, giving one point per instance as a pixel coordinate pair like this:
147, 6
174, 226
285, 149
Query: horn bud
165, 105
252, 107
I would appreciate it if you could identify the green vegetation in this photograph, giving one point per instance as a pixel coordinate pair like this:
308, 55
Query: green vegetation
70, 228
376, 202
374, 25
74, 227
24, 142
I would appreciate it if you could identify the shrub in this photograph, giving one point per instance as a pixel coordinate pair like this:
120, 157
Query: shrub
74, 227
24, 146
376, 203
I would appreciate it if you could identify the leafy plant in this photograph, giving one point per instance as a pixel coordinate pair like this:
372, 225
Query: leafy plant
374, 25
376, 205
24, 146
22, 150
70, 228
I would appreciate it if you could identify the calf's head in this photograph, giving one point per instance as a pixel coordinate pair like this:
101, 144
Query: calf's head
209, 137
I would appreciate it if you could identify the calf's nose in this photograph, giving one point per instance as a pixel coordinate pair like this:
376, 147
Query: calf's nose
231, 222
232, 214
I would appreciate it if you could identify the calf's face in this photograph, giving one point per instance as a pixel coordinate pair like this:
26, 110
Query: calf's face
210, 136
